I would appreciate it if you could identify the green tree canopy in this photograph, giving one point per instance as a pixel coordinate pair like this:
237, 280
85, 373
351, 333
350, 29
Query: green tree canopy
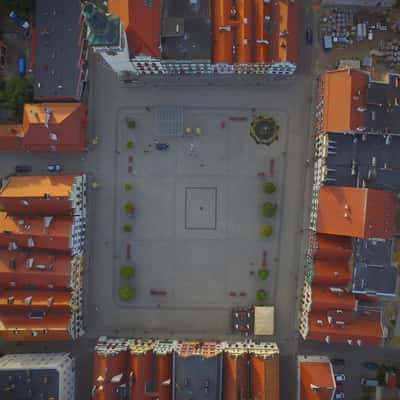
127, 272
127, 228
129, 207
126, 293
268, 209
130, 145
266, 230
128, 187
269, 187
15, 92
262, 295
263, 274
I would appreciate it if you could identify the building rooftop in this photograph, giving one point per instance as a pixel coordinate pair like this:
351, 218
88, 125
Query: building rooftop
57, 49
186, 30
355, 159
373, 272
198, 372
344, 98
356, 212
383, 106
47, 270
104, 30
141, 20
319, 374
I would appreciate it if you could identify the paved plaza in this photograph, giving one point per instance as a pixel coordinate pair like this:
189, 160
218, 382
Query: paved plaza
196, 229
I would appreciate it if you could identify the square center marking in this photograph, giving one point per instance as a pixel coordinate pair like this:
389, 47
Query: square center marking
201, 208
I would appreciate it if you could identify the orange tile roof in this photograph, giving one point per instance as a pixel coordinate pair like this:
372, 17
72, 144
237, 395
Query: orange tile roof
142, 369
17, 326
56, 236
319, 374
60, 300
264, 376
369, 331
56, 274
333, 248
36, 186
356, 212
235, 378
141, 23
8, 139
331, 273
324, 299
344, 92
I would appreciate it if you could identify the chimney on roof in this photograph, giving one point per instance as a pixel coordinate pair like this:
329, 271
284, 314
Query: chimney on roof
53, 136
29, 262
28, 300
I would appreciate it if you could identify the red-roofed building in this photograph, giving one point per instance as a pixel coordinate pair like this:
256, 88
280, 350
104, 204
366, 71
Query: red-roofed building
333, 248
58, 127
331, 273
325, 299
344, 93
316, 378
141, 21
356, 212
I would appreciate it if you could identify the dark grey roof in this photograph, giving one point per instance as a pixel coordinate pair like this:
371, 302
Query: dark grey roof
346, 149
57, 69
373, 272
198, 377
383, 106
186, 30
29, 384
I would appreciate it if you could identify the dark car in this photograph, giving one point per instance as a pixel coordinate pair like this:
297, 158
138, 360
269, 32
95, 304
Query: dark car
309, 35
162, 146
23, 169
337, 362
19, 21
371, 365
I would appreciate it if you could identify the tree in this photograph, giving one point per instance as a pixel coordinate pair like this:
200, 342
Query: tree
266, 230
127, 272
130, 123
269, 187
263, 274
262, 295
129, 207
126, 293
128, 187
130, 145
268, 209
15, 92
127, 228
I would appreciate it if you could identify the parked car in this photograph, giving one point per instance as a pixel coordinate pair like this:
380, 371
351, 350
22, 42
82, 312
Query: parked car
23, 169
340, 378
339, 395
369, 382
21, 66
371, 365
162, 146
19, 21
337, 362
309, 35
54, 167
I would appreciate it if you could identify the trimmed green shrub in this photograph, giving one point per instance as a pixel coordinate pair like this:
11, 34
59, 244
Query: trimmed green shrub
128, 187
130, 145
263, 274
127, 272
131, 123
262, 295
129, 207
269, 187
126, 293
268, 209
127, 228
266, 230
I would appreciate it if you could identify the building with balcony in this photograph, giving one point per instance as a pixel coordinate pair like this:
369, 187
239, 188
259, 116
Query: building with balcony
172, 370
58, 127
222, 36
59, 51
37, 376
